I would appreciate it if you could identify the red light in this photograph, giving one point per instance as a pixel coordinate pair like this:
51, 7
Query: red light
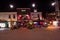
41, 22
28, 16
19, 17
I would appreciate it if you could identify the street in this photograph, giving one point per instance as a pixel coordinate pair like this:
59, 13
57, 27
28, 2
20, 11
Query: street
33, 34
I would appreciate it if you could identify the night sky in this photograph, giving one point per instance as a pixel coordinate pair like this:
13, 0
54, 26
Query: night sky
41, 5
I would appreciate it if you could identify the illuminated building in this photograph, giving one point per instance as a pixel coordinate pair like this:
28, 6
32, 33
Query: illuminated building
12, 17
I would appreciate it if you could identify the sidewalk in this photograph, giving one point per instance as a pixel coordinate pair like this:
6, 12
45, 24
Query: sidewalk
1, 29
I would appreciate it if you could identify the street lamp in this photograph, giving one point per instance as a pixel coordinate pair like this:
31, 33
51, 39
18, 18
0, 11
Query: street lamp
56, 5
11, 6
53, 3
33, 5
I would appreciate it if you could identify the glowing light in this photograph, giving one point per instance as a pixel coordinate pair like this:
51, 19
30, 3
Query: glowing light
28, 16
53, 3
9, 24
2, 24
14, 23
51, 27
50, 22
35, 22
33, 5
23, 10
45, 22
55, 23
11, 6
35, 10
19, 16
41, 22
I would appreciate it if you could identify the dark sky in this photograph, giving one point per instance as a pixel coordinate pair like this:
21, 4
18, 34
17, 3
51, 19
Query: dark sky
41, 5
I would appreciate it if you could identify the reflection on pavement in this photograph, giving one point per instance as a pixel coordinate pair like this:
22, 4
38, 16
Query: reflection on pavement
51, 27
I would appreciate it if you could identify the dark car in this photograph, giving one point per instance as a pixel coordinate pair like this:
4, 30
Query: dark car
40, 23
36, 23
43, 23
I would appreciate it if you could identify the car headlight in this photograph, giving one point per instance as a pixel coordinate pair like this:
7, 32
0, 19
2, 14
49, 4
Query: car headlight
35, 22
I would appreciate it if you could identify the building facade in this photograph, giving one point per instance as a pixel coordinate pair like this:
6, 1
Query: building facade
11, 17
7, 17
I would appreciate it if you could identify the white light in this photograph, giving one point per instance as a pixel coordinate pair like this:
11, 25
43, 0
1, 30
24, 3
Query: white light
35, 10
53, 3
11, 6
23, 10
33, 5
14, 23
35, 22
9, 24
20, 15
55, 23
45, 23
27, 15
2, 24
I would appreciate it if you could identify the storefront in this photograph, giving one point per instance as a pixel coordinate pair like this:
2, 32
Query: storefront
3, 24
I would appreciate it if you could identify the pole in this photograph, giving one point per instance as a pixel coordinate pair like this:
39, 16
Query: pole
57, 8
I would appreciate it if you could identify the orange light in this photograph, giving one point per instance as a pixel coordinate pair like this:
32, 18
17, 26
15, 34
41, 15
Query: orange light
50, 22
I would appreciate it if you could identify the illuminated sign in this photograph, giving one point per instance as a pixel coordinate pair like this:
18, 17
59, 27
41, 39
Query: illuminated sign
2, 24
23, 10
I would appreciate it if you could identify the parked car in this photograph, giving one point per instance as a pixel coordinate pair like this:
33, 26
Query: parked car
43, 23
40, 23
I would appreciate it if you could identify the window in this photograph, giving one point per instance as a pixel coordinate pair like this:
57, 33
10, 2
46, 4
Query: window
14, 16
9, 16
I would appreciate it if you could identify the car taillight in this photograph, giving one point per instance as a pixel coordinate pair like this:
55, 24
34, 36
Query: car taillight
35, 22
41, 22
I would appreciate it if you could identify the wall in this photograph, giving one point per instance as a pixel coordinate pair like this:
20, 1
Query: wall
34, 15
5, 15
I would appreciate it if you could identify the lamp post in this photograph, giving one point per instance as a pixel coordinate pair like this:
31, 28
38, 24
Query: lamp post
56, 7
11, 19
34, 7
